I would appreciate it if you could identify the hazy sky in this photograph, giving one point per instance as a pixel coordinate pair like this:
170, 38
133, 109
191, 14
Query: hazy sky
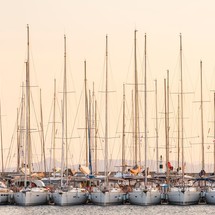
85, 23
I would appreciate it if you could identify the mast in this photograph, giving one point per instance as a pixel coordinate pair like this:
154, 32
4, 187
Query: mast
123, 131
166, 132
166, 85
18, 142
86, 113
214, 133
62, 147
89, 134
202, 125
133, 127
106, 114
178, 132
43, 156
168, 110
27, 164
20, 135
182, 110
64, 120
96, 131
28, 138
156, 129
93, 128
53, 129
2, 153
65, 106
145, 102
136, 118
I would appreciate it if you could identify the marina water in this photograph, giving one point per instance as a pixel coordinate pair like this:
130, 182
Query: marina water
112, 210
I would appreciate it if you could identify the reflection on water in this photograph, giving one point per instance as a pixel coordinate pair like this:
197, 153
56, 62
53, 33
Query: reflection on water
113, 210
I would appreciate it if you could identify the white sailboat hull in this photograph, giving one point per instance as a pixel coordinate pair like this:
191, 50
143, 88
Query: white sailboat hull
5, 194
73, 197
186, 196
4, 197
144, 197
111, 197
30, 198
210, 196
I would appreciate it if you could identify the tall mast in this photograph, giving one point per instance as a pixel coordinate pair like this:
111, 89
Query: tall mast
89, 133
106, 113
156, 129
21, 130
178, 132
182, 110
168, 107
53, 129
202, 125
136, 118
28, 138
166, 132
96, 131
65, 105
123, 131
133, 127
93, 127
167, 123
62, 145
214, 133
2, 153
145, 102
64, 120
43, 155
86, 113
18, 141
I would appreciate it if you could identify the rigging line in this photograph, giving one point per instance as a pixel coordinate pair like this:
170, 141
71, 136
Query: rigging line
72, 130
56, 129
111, 72
13, 134
76, 116
121, 107
37, 123
32, 63
102, 79
49, 119
82, 140
8, 160
99, 125
74, 123
140, 73
114, 142
50, 114
10, 151
190, 76
129, 65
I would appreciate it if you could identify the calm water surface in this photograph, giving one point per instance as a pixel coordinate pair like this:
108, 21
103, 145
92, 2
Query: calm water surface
113, 210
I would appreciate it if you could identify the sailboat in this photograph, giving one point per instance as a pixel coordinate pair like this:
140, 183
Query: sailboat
145, 193
108, 192
67, 194
184, 192
33, 192
210, 190
4, 191
87, 169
